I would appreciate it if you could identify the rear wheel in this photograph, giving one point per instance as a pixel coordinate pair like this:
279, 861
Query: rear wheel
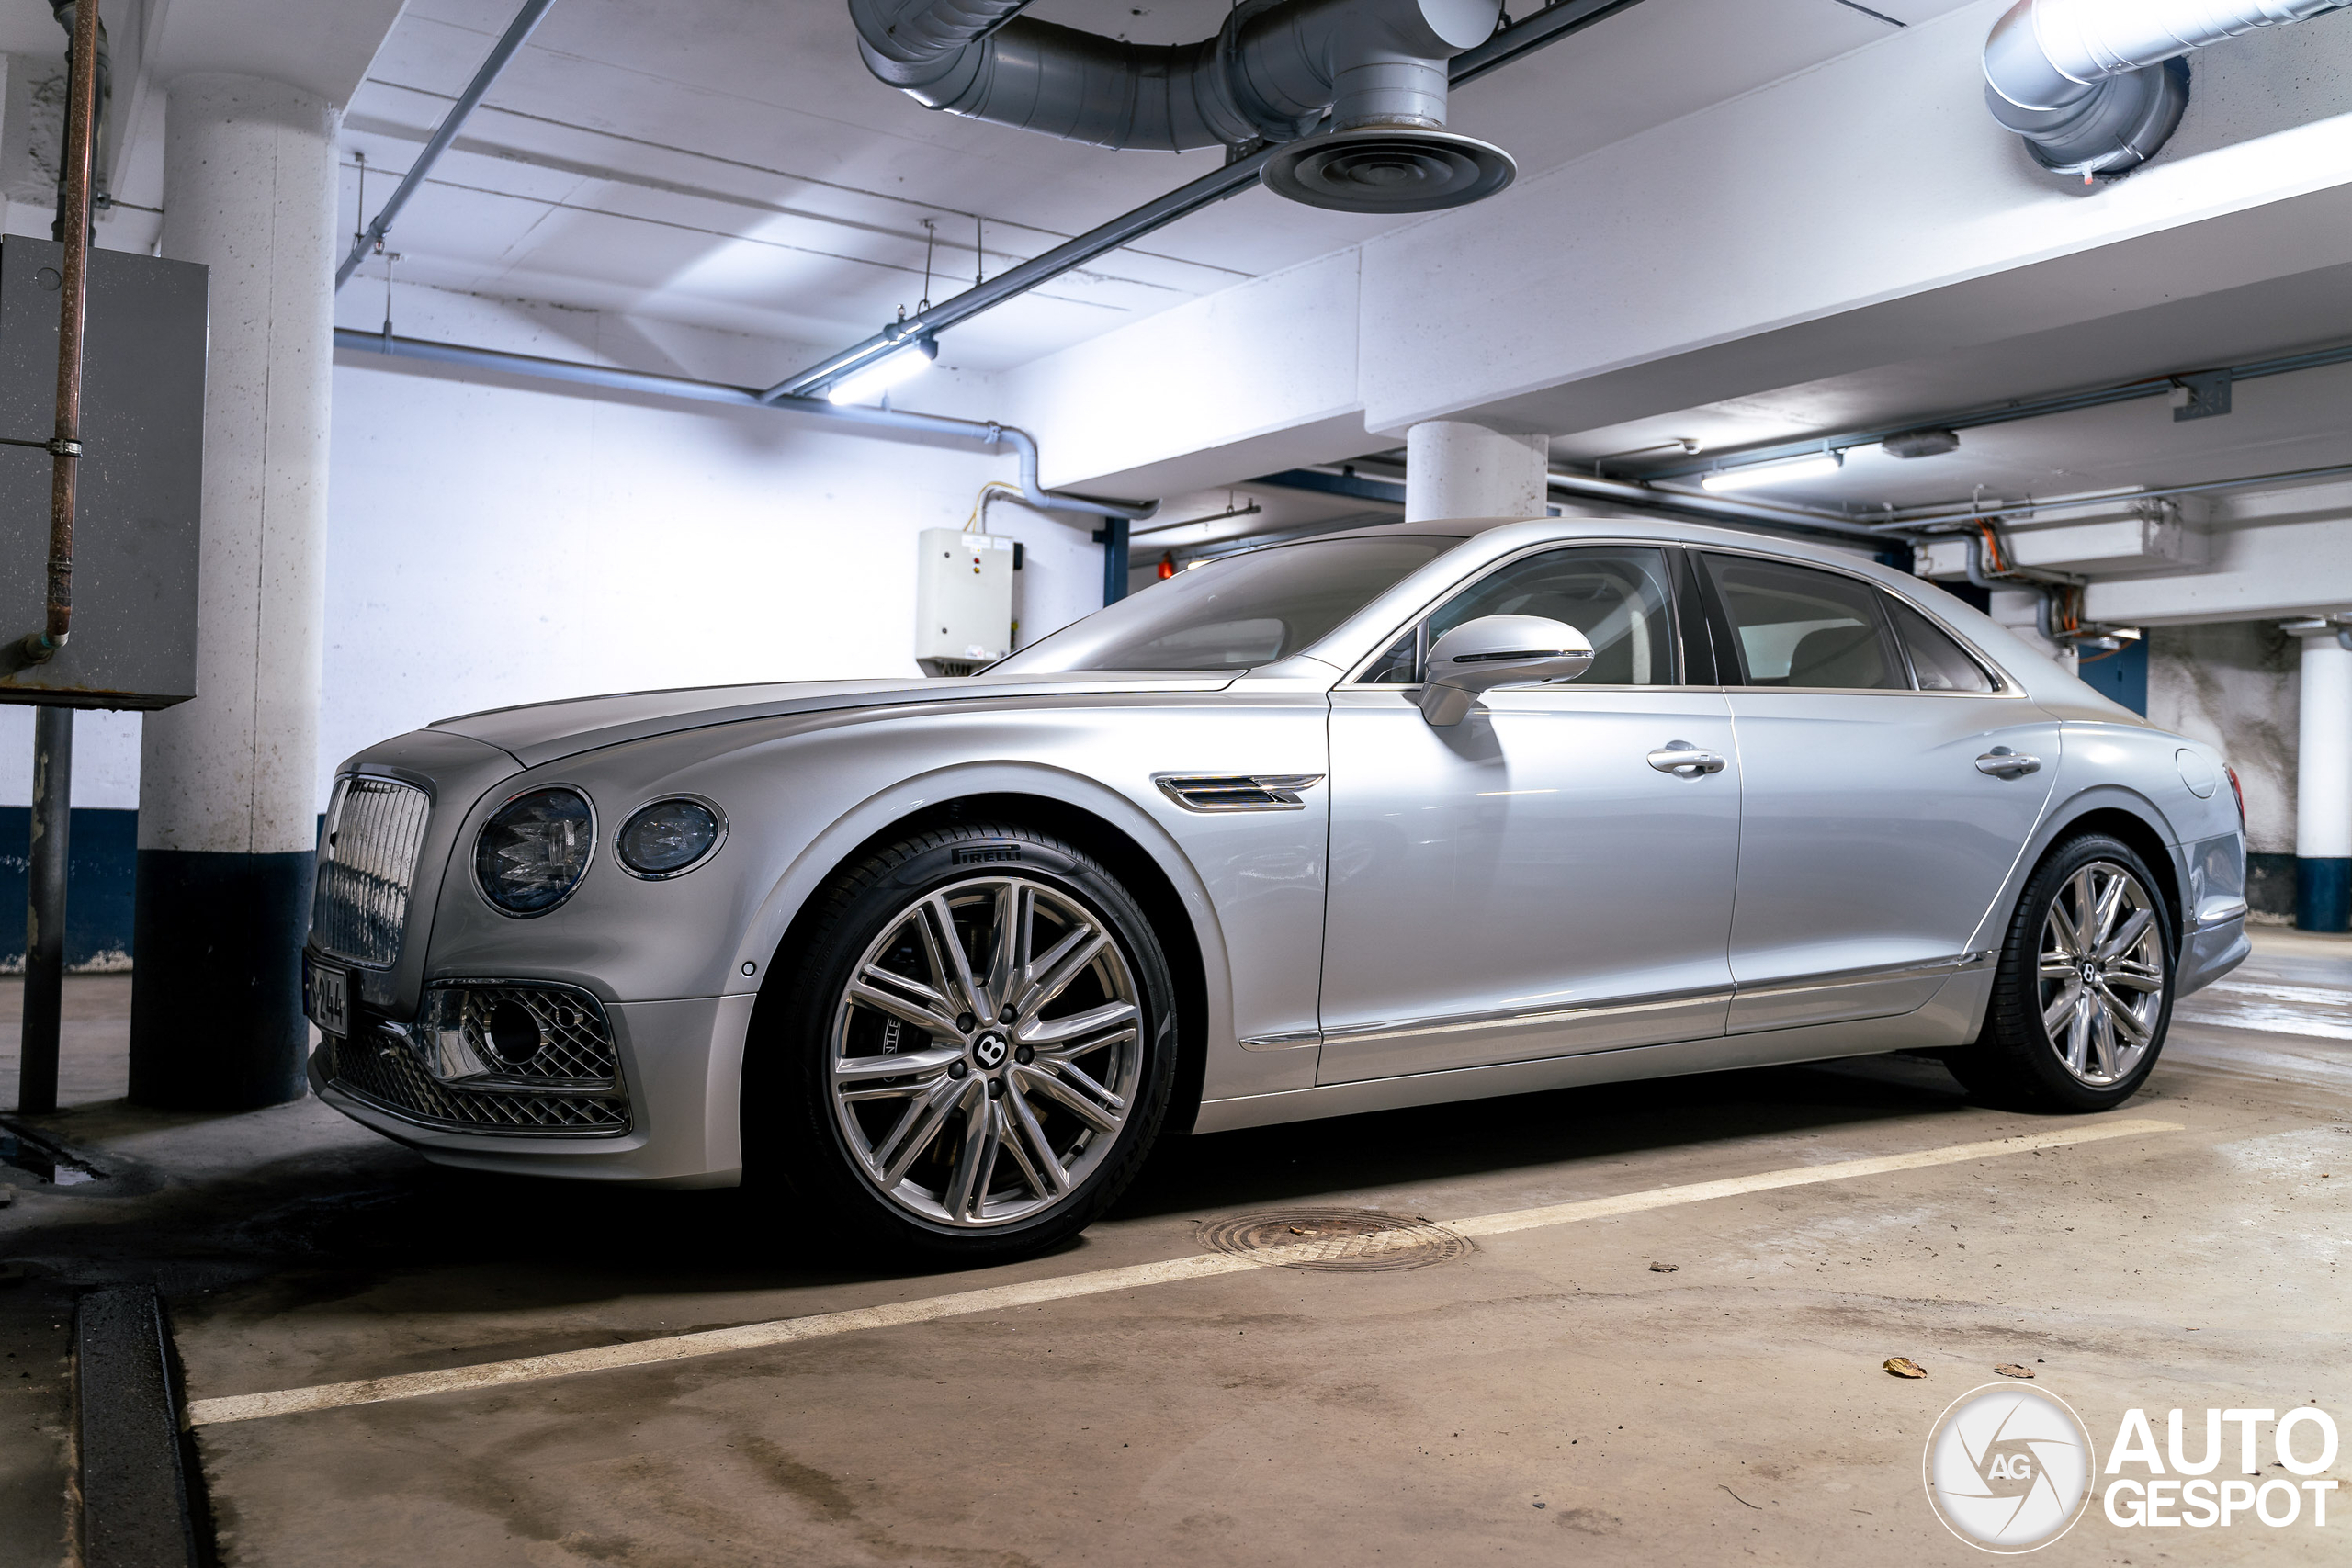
979, 1046
2084, 994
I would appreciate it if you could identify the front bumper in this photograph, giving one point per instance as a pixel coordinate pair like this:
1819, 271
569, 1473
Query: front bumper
681, 1063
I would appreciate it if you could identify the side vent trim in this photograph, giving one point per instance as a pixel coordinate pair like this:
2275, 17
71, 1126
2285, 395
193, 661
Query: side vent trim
1238, 792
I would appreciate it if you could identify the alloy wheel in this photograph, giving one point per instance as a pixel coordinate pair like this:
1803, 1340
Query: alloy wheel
2101, 975
985, 1052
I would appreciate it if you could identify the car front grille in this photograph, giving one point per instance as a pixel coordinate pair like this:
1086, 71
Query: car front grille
367, 868
568, 1084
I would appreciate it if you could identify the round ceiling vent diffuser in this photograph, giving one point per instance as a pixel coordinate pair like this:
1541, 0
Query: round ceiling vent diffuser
1384, 168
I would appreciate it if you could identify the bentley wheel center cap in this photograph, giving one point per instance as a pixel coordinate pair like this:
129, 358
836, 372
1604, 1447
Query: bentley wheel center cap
989, 1051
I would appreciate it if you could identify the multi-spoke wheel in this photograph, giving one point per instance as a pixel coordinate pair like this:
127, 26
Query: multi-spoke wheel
2102, 974
2083, 992
983, 1028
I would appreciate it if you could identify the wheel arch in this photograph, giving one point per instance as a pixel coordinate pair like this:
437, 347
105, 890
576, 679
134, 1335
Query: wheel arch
1152, 868
2134, 821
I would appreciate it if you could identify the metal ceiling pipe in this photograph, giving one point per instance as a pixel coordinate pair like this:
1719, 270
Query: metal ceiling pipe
509, 44
1270, 73
2097, 86
987, 432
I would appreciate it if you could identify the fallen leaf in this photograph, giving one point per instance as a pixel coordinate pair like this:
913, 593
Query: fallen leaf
1664, 1268
2011, 1370
1905, 1367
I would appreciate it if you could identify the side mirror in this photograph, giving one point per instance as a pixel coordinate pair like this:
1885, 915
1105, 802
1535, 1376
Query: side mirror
1498, 650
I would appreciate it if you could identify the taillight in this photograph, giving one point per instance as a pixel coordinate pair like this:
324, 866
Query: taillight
2239, 790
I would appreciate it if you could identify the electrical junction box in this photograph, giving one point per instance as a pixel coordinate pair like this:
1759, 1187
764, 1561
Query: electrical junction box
2135, 543
962, 600
139, 490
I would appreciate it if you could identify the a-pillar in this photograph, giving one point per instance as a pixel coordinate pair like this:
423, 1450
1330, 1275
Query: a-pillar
1453, 469
2324, 782
227, 781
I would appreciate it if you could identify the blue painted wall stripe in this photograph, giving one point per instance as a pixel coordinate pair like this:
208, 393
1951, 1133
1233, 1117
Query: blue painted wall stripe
100, 876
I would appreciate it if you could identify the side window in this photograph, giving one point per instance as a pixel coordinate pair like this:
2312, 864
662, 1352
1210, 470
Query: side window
1937, 662
1616, 595
1798, 627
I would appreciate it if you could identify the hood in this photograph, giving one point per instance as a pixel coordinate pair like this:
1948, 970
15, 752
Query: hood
542, 732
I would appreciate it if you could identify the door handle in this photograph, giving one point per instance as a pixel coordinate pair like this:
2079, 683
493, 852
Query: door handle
2004, 763
1685, 760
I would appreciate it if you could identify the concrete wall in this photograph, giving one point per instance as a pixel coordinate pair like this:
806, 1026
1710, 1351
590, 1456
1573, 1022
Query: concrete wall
2236, 684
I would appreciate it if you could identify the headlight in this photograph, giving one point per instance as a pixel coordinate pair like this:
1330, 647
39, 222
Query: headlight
667, 837
533, 852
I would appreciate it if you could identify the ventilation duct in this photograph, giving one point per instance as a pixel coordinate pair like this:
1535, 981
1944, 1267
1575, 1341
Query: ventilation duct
2097, 86
1271, 73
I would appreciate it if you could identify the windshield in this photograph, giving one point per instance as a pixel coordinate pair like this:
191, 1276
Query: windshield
1233, 614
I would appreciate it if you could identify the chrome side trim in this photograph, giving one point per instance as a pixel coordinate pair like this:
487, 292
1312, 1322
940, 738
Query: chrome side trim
1236, 791
1833, 978
1406, 1028
1297, 1040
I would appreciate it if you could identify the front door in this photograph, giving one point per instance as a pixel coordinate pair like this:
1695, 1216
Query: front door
1882, 819
1543, 878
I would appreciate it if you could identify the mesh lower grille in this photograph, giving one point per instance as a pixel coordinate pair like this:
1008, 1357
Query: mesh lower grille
384, 1071
366, 868
533, 1031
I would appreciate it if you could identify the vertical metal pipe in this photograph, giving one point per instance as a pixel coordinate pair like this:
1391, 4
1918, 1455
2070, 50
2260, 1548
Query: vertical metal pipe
73, 309
45, 908
1113, 537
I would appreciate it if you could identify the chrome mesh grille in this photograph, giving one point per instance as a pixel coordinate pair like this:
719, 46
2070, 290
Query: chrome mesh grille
366, 869
574, 1043
384, 1071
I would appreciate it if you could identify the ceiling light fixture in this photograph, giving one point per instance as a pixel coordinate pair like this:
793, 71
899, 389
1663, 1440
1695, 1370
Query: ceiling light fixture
1783, 470
872, 379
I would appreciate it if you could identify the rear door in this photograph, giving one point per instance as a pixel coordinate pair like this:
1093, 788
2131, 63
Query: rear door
1890, 780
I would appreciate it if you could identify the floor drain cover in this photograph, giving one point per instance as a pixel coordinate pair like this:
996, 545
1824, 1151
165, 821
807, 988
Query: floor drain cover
1353, 1239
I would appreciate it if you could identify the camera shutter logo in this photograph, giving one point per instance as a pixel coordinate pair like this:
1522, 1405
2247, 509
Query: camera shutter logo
2008, 1468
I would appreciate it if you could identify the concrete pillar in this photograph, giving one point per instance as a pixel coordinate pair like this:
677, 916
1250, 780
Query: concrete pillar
2324, 782
227, 813
1457, 469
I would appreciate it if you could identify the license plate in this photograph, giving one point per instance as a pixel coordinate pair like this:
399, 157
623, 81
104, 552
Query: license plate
326, 997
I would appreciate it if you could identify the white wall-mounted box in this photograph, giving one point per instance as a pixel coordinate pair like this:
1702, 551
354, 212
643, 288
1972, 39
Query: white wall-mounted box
962, 600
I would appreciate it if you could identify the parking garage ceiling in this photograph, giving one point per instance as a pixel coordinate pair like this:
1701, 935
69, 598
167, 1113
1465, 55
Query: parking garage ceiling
728, 163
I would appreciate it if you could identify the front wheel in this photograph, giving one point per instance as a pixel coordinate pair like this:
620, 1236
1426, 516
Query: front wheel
2084, 994
978, 1047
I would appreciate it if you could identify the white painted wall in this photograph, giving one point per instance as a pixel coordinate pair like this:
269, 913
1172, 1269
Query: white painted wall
496, 541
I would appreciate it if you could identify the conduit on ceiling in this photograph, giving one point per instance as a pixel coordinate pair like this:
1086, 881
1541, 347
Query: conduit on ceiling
1561, 19
2097, 86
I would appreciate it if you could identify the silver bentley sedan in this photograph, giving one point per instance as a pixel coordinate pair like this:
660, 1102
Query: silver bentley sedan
1382, 819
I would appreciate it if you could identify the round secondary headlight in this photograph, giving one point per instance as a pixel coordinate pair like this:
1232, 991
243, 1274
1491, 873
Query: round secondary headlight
667, 837
535, 850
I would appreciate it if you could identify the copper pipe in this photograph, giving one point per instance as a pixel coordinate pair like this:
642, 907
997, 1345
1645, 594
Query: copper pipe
74, 309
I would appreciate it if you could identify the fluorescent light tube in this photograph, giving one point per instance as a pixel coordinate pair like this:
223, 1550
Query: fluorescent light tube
1811, 466
870, 382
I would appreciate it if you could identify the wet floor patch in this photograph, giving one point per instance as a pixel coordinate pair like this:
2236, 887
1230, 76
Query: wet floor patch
43, 1160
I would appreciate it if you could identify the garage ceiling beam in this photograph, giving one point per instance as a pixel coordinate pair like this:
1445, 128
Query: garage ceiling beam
1548, 26
2005, 413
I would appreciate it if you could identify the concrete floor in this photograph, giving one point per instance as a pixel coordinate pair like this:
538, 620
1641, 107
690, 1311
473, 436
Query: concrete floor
1550, 1397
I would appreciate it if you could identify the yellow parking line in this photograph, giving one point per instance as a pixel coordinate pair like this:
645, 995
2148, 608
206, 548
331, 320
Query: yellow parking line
1202, 1266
